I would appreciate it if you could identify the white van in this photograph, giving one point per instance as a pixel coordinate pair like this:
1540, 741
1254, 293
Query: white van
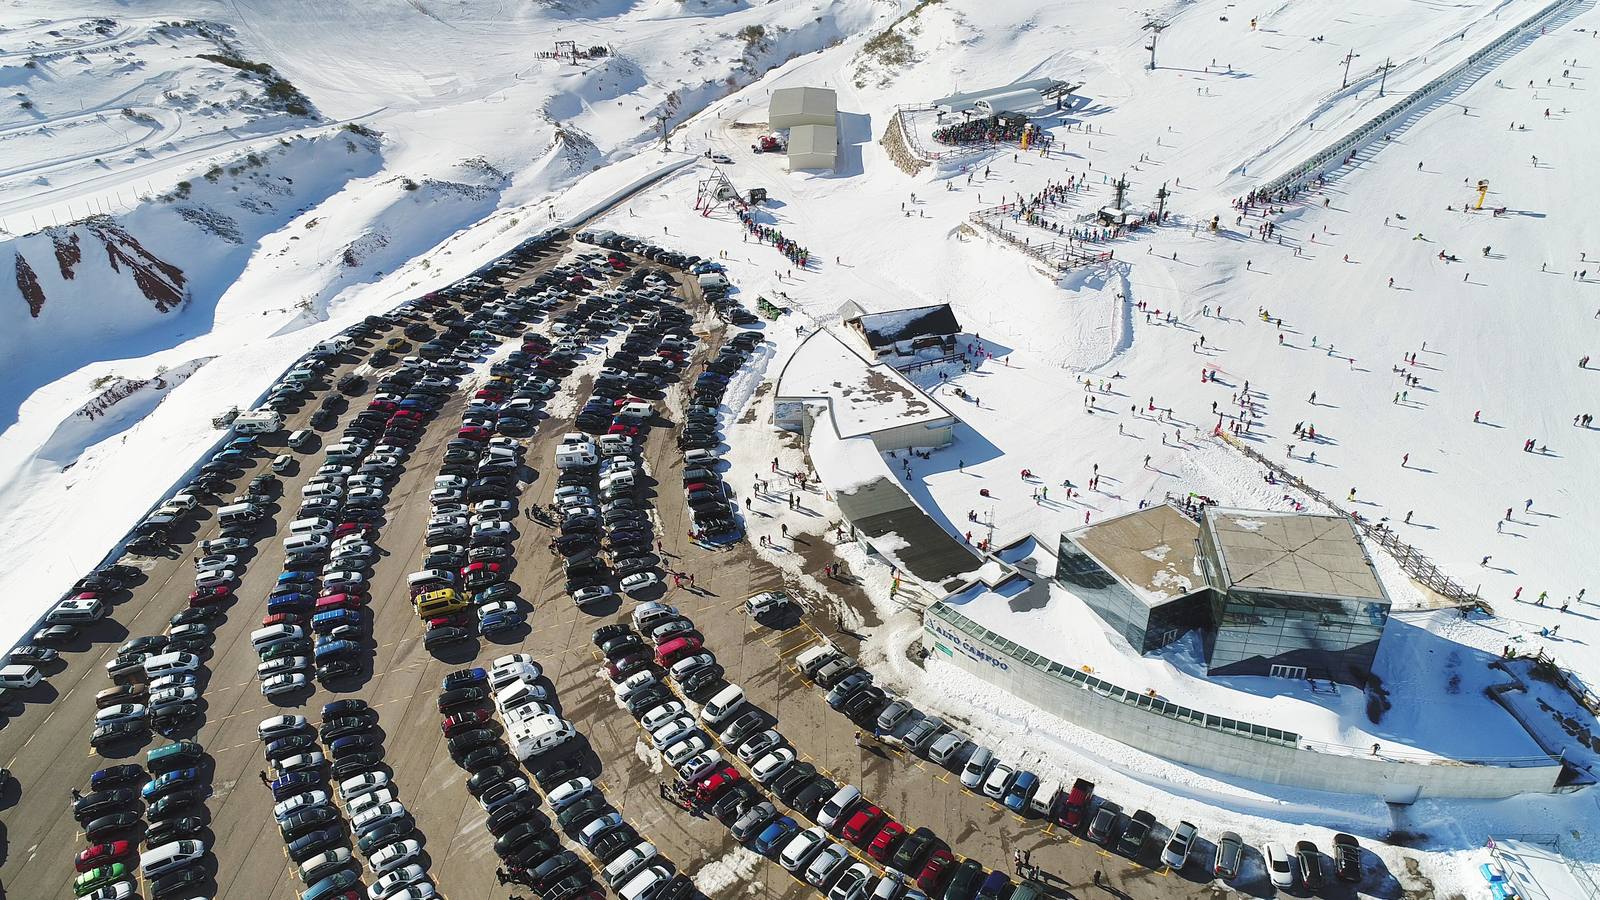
636, 408
18, 677
170, 857
618, 480
75, 611
834, 810
815, 658
431, 578
305, 543
722, 707
538, 734
175, 663
238, 512
1045, 797
274, 634
311, 526
619, 870
517, 695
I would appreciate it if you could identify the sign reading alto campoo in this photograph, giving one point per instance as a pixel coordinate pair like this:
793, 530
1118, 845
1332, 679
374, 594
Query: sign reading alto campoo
948, 637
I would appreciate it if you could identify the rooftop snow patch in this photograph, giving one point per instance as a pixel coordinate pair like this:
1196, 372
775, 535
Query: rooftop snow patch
863, 397
886, 329
1152, 551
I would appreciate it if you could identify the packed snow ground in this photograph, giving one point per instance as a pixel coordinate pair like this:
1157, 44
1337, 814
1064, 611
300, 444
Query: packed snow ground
1506, 341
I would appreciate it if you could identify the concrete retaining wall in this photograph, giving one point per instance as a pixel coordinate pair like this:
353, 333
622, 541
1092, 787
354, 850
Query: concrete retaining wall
1227, 747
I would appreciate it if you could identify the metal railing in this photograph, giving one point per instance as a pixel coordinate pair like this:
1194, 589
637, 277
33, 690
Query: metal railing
1081, 679
1297, 176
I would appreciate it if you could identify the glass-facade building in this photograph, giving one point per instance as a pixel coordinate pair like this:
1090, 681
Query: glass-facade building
1291, 595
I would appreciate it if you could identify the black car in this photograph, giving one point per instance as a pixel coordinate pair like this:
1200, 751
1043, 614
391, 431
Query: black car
173, 829
285, 747
647, 699
115, 732
517, 837
355, 764
556, 867
353, 744
344, 726
467, 741
701, 681
444, 636
101, 803
311, 843
508, 815
484, 779
1310, 861
743, 727
384, 835
112, 824
811, 798
1346, 857
613, 843
493, 754
111, 776
734, 801
183, 880
913, 848
307, 820
616, 648
793, 780
556, 771
578, 814
462, 696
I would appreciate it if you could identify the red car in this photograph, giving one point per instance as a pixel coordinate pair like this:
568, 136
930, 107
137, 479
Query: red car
620, 402
887, 837
455, 723
387, 406
489, 394
282, 619
860, 825
714, 784
933, 869
402, 415
473, 433
98, 855
360, 528
477, 568
631, 431
676, 356
202, 596
578, 282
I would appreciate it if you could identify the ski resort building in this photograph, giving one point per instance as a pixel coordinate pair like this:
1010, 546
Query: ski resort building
908, 332
1293, 594
794, 106
1273, 593
813, 147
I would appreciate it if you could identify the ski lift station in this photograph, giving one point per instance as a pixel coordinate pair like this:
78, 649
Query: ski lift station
810, 115
1016, 97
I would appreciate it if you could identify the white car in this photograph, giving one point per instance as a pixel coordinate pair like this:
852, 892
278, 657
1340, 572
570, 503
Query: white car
1280, 865
493, 530
299, 762
172, 697
639, 581
359, 785
493, 507
298, 802
389, 884
122, 712
683, 749
994, 787
445, 495
394, 856
672, 732
827, 861
215, 561
852, 885
1176, 853
567, 793
215, 578
342, 579
366, 495
802, 847
591, 594
700, 765
276, 727
378, 815
287, 683
661, 715
370, 800
772, 765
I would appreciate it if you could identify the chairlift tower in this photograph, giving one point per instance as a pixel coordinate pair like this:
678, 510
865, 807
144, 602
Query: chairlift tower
1161, 201
1155, 27
1121, 187
714, 191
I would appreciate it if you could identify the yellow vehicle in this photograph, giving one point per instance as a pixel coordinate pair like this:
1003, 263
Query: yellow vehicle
440, 603
397, 343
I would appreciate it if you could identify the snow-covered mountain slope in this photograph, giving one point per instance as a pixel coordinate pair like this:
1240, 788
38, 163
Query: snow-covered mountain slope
230, 181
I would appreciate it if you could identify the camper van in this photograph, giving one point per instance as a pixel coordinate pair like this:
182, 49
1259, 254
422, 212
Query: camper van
258, 421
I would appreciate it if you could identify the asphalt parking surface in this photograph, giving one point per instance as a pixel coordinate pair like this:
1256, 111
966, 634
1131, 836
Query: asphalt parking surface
48, 750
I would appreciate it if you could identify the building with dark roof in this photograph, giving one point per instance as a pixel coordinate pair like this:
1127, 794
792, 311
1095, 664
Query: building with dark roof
904, 332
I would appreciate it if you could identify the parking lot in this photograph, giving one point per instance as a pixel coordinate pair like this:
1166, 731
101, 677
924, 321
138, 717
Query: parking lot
47, 743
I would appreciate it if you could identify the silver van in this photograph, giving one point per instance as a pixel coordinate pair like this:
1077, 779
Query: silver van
311, 526
170, 857
274, 634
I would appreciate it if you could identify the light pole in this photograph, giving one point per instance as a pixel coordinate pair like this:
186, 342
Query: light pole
1347, 57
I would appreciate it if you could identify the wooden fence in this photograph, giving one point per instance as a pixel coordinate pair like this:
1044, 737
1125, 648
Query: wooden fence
1413, 561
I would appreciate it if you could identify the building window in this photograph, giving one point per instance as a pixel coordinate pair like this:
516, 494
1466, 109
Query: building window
1277, 671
